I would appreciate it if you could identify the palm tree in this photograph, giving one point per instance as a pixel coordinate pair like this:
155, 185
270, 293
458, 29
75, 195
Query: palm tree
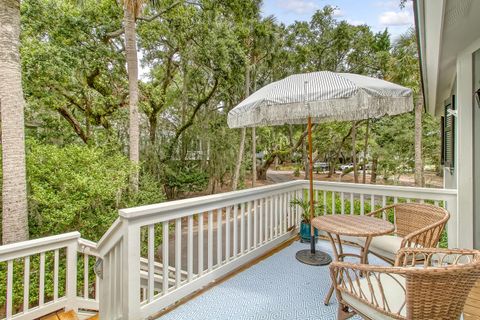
14, 201
131, 10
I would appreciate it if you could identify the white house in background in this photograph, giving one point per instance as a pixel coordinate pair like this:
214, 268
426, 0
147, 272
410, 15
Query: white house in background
449, 42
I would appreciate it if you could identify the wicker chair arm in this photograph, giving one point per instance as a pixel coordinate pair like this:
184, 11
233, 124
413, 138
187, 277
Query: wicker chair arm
381, 210
434, 257
367, 283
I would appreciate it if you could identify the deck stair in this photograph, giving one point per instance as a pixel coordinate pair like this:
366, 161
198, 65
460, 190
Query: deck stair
70, 315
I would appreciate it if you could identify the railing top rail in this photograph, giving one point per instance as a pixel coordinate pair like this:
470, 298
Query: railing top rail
377, 187
29, 247
142, 211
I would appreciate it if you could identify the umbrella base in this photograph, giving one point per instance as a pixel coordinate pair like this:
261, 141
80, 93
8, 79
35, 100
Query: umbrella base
318, 258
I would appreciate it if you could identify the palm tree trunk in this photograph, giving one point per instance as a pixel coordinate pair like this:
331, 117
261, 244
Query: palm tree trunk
14, 192
132, 70
419, 177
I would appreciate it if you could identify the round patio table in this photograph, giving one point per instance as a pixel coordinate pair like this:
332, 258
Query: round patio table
353, 226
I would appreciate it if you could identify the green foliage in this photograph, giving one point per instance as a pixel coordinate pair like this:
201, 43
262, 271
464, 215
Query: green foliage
79, 187
180, 178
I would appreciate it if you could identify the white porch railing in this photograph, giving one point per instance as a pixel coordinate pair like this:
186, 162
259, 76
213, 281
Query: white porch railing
213, 235
155, 255
46, 270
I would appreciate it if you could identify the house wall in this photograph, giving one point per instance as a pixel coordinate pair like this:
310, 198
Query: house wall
465, 167
476, 152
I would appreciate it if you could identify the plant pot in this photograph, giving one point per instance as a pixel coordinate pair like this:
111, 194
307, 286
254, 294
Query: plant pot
305, 232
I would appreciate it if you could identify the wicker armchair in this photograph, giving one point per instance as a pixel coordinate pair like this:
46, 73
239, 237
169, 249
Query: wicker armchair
435, 289
417, 225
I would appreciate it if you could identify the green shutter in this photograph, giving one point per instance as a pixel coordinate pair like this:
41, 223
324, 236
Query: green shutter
448, 150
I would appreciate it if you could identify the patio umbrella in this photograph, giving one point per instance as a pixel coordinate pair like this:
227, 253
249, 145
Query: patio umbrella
319, 97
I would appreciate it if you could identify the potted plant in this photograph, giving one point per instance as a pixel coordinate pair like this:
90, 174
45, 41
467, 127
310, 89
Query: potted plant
304, 204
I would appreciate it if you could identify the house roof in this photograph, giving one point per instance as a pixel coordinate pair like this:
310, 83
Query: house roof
445, 28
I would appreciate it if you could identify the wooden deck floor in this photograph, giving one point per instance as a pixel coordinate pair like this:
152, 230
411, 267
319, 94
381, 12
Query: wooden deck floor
472, 308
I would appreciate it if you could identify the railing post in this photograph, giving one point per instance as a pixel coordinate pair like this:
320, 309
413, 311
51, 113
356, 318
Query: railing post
452, 224
131, 271
71, 283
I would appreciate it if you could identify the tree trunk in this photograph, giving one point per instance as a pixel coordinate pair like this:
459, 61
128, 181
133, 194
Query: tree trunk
238, 165
354, 151
305, 160
236, 176
373, 172
152, 119
419, 177
254, 155
365, 150
132, 70
14, 192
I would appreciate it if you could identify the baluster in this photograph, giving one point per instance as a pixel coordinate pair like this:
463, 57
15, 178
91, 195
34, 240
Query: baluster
362, 204
227, 234
436, 203
41, 285
190, 248
178, 252
151, 263
395, 200
352, 204
255, 214
55, 276
210, 241
324, 202
285, 210
219, 236
276, 216
272, 225
422, 201
333, 202
409, 200
342, 201
235, 230
200, 243
242, 228
26, 283
9, 301
260, 223
165, 261
249, 225
372, 202
85, 276
281, 212
384, 204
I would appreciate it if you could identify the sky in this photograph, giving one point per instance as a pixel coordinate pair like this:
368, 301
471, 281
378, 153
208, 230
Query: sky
376, 13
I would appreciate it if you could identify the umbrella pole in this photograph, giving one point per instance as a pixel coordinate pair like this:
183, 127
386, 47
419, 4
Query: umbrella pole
311, 256
310, 175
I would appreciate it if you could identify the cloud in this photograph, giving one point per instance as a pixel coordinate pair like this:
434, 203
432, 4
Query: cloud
399, 18
337, 13
298, 6
356, 22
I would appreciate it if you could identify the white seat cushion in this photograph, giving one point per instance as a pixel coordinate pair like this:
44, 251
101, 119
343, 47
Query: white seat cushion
393, 288
385, 246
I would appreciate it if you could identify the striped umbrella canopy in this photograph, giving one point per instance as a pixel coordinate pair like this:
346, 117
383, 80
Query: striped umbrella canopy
323, 96
318, 97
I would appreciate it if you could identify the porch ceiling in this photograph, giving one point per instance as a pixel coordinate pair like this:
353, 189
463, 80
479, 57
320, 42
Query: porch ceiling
445, 29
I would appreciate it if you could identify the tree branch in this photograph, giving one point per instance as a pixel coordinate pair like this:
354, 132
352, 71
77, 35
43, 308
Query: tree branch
189, 123
155, 16
74, 123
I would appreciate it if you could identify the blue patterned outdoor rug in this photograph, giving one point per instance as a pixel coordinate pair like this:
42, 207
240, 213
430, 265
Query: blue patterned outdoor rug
278, 287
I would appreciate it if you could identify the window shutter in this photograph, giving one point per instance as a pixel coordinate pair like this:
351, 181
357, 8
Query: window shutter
448, 152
